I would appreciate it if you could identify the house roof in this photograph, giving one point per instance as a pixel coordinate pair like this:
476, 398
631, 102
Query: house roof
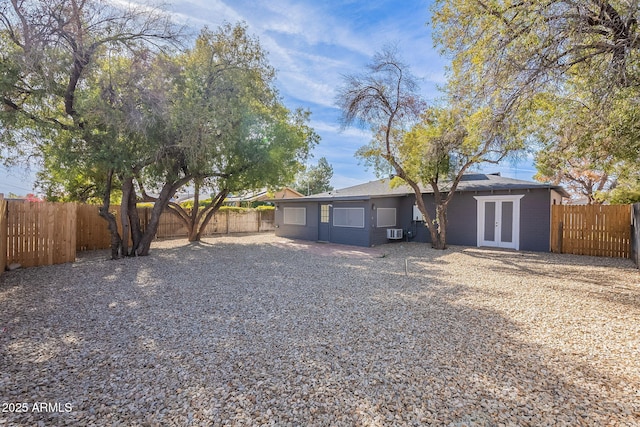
469, 182
263, 195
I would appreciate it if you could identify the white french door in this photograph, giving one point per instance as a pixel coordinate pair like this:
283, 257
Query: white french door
499, 221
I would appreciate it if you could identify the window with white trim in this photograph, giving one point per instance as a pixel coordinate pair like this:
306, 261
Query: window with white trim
295, 216
348, 217
386, 217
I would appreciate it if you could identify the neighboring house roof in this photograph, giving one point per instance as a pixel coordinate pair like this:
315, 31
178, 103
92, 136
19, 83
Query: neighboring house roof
469, 182
262, 195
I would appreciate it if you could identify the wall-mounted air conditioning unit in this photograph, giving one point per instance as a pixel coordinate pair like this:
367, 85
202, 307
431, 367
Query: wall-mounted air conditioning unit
394, 233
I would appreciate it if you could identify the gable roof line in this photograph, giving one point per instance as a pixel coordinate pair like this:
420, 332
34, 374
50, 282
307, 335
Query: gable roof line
470, 183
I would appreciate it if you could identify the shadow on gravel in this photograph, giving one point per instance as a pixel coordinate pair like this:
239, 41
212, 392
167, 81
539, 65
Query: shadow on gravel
235, 334
607, 279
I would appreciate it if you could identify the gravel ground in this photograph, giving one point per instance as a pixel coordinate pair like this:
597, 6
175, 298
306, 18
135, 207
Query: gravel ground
258, 330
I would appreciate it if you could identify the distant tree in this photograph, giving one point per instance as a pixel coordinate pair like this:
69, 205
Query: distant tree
315, 179
432, 146
575, 144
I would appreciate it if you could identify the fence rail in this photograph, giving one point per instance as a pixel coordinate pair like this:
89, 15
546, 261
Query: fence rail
597, 230
41, 233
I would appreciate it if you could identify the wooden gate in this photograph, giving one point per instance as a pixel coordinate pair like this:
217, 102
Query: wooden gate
40, 233
597, 230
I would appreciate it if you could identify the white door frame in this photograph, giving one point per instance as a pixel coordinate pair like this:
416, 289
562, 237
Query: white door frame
481, 200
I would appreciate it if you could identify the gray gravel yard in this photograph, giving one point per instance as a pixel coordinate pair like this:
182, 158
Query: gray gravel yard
259, 330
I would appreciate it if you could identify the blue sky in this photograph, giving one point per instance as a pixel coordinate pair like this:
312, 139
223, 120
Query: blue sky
312, 45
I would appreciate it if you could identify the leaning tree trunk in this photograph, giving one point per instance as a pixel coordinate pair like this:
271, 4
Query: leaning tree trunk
197, 220
160, 204
205, 216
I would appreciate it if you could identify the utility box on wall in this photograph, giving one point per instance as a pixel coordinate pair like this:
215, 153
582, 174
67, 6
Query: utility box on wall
417, 215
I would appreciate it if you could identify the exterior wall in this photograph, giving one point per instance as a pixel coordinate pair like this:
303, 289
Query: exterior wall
535, 221
379, 234
462, 226
303, 232
351, 235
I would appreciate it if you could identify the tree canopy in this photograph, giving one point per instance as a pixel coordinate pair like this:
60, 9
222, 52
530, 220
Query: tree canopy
567, 68
109, 107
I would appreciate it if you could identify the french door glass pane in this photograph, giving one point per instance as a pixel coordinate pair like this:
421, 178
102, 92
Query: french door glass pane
506, 226
489, 221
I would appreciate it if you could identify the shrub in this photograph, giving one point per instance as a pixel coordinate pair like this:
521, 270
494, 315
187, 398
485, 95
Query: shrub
265, 208
233, 209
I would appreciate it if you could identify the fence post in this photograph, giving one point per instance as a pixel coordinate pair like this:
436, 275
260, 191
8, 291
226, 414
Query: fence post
560, 237
3, 233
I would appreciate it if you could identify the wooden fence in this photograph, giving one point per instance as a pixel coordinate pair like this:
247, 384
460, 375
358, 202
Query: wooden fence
33, 234
635, 237
93, 233
40, 233
597, 230
3, 233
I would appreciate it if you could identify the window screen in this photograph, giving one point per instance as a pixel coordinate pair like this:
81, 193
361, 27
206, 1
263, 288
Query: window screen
386, 217
295, 216
348, 217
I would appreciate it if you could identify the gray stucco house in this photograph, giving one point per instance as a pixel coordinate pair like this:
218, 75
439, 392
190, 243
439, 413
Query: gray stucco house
487, 210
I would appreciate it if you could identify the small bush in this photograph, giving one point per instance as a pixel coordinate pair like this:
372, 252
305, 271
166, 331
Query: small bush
188, 204
265, 208
233, 209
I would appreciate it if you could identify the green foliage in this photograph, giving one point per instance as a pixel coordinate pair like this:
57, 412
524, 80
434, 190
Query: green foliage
566, 73
265, 208
188, 204
233, 209
624, 196
316, 179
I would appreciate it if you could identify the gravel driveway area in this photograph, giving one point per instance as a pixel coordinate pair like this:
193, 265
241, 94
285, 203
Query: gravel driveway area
259, 330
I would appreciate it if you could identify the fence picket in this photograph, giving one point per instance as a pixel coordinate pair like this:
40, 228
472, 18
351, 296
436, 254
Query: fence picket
596, 230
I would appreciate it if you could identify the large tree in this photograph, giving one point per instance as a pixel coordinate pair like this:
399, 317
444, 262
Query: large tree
434, 146
515, 53
210, 116
50, 49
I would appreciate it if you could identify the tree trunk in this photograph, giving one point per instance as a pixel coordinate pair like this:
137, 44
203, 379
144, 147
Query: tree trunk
134, 221
439, 229
168, 190
197, 221
208, 214
127, 187
116, 240
193, 218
